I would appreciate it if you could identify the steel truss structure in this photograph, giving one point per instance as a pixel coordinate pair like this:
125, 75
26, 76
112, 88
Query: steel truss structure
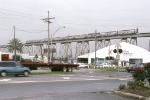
82, 43
65, 50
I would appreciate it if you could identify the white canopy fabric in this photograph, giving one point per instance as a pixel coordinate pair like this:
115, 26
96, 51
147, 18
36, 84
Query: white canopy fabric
130, 51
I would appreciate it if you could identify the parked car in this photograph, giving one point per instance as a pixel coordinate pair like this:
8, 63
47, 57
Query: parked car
83, 65
13, 68
105, 65
133, 66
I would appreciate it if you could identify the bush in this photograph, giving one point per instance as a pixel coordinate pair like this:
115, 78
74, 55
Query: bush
139, 83
28, 60
139, 74
122, 87
147, 70
134, 84
130, 85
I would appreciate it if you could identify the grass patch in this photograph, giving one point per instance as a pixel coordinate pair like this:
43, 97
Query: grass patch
56, 72
112, 70
143, 91
108, 69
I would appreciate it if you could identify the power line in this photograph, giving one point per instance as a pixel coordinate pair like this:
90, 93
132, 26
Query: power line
120, 20
15, 15
19, 18
29, 31
19, 12
22, 6
103, 25
4, 29
59, 26
132, 10
9, 36
123, 10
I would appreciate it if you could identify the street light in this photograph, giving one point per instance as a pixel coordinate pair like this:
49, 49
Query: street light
51, 42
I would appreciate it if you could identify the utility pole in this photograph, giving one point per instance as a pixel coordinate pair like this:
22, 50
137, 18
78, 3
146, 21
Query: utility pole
95, 47
14, 45
149, 45
109, 55
49, 37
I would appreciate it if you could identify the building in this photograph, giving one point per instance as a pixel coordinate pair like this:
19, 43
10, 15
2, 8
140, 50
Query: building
131, 53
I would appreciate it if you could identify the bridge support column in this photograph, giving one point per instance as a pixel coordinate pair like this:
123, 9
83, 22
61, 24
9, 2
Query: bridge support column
65, 50
82, 47
124, 39
106, 42
30, 50
38, 49
54, 53
25, 49
4, 49
133, 40
99, 44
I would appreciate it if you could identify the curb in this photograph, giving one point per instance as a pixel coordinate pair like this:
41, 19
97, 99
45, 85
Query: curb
132, 95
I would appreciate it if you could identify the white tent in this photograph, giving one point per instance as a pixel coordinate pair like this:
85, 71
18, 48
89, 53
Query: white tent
130, 52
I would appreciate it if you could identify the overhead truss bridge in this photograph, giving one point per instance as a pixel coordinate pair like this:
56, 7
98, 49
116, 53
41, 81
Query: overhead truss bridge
103, 39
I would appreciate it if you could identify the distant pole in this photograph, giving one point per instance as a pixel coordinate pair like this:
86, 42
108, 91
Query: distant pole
118, 56
109, 55
149, 45
14, 45
49, 57
95, 47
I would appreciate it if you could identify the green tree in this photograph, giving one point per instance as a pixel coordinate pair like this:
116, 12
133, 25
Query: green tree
18, 57
36, 57
42, 57
15, 44
65, 59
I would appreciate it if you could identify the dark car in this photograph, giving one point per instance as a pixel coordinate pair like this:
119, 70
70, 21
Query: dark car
133, 66
13, 68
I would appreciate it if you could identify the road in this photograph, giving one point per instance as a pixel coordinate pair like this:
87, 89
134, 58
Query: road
85, 84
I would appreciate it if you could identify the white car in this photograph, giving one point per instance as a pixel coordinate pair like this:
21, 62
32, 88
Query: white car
83, 65
105, 65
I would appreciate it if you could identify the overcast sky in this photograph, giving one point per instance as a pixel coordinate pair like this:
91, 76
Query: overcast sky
78, 16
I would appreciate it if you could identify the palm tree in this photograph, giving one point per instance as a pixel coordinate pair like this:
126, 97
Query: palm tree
15, 44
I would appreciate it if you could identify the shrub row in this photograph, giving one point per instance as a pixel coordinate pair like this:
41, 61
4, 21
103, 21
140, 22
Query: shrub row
131, 85
142, 74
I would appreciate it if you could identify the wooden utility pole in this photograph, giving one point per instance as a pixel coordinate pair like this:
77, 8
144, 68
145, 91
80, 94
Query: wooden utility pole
49, 37
95, 47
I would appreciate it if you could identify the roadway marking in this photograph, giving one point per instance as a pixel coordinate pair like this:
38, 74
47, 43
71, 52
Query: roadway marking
92, 79
24, 81
4, 80
124, 79
96, 83
91, 76
66, 78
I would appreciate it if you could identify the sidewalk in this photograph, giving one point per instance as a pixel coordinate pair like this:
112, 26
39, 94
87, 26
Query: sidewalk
131, 95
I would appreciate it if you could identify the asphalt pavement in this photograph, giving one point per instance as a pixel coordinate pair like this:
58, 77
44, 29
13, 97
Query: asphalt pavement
85, 84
